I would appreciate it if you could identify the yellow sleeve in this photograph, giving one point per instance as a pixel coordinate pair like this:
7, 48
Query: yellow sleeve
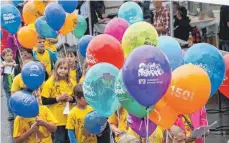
70, 121
46, 92
16, 85
17, 128
113, 119
130, 131
50, 118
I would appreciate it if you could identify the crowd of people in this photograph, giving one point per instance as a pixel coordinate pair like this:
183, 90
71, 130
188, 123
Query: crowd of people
63, 85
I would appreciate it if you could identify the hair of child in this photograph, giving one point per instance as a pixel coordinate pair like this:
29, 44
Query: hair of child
7, 50
78, 91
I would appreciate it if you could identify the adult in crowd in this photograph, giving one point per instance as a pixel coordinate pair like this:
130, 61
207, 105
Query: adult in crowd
97, 9
161, 20
224, 28
182, 25
145, 5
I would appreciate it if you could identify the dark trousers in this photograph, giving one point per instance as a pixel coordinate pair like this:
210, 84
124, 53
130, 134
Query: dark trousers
224, 45
106, 136
61, 135
88, 29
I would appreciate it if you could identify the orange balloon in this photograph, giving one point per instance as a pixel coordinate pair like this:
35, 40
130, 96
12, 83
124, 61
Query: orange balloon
27, 37
189, 90
30, 13
163, 115
224, 88
41, 4
69, 24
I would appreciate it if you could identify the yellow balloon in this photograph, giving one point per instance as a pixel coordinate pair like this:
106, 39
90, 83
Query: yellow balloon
32, 26
41, 4
138, 34
69, 24
30, 13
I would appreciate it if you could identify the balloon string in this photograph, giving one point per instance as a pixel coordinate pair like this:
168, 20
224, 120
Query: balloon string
78, 56
167, 136
65, 52
159, 116
15, 42
140, 126
204, 134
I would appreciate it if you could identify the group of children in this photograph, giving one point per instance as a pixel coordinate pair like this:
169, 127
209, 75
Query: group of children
62, 88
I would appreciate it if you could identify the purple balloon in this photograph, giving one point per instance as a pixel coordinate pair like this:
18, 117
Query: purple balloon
146, 74
139, 125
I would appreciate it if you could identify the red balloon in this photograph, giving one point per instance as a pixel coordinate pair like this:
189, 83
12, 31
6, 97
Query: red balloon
224, 88
105, 48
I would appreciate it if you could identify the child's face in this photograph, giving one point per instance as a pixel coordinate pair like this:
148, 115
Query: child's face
179, 138
82, 101
8, 57
25, 55
62, 70
40, 44
71, 58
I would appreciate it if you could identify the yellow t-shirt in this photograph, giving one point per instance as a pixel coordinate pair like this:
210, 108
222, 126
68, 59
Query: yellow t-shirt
155, 137
119, 119
73, 75
76, 122
82, 79
17, 84
45, 59
53, 89
21, 125
187, 127
50, 46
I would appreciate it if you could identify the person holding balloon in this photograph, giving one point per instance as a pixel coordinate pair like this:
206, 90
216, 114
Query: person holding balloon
50, 43
45, 56
57, 93
75, 122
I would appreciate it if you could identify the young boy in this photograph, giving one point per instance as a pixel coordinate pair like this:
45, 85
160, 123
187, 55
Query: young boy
45, 56
37, 129
75, 123
8, 66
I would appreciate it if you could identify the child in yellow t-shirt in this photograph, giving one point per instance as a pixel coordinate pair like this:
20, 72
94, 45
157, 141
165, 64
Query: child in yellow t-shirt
50, 43
57, 93
75, 123
37, 129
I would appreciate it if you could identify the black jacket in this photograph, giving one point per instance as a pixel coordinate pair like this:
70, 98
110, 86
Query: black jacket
182, 28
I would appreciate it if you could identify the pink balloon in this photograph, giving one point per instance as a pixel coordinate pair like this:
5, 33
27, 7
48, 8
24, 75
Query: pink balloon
116, 28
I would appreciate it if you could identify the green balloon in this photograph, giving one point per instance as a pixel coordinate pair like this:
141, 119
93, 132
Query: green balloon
81, 27
127, 101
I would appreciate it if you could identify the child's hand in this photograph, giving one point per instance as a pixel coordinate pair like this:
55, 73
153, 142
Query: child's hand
40, 122
34, 128
117, 132
61, 98
69, 98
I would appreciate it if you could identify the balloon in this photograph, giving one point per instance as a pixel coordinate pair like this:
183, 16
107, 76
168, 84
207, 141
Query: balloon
41, 4
1, 34
210, 59
69, 24
17, 2
27, 37
32, 26
33, 71
172, 50
124, 98
116, 28
68, 5
131, 12
138, 34
98, 88
190, 89
83, 44
24, 104
105, 48
81, 27
224, 88
94, 123
43, 29
30, 13
55, 16
146, 74
183, 53
163, 115
139, 125
10, 18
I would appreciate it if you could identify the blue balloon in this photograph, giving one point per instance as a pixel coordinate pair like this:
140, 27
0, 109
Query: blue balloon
55, 16
68, 5
211, 60
1, 34
83, 43
98, 88
43, 29
24, 104
10, 18
172, 50
131, 12
94, 123
17, 2
146, 74
33, 75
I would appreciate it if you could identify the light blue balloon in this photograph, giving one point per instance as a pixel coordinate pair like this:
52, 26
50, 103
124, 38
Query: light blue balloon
55, 16
172, 50
17, 2
68, 5
1, 34
81, 27
131, 12
43, 29
211, 60
10, 18
98, 88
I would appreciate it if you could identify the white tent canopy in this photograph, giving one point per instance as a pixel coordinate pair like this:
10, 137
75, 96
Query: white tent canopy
219, 2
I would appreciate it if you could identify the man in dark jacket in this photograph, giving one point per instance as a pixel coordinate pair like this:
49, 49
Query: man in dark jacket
96, 8
224, 28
